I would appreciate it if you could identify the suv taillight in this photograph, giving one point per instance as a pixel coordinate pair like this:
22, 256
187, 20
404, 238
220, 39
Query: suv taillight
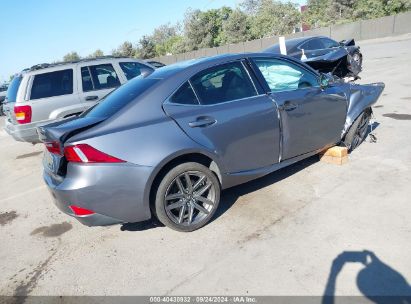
83, 153
23, 114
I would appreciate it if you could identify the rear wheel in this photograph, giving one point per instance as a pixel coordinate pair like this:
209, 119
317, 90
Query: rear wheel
358, 130
187, 197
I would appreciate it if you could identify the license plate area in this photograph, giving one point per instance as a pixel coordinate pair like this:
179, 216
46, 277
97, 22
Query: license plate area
51, 162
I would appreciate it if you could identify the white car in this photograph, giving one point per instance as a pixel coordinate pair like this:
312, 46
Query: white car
3, 90
49, 92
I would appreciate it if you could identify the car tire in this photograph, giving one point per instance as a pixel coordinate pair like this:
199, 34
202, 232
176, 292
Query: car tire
187, 197
358, 130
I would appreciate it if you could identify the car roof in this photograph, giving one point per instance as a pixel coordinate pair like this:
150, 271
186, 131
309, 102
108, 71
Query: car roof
194, 65
47, 67
292, 43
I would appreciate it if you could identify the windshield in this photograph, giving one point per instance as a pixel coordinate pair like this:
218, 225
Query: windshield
120, 97
13, 88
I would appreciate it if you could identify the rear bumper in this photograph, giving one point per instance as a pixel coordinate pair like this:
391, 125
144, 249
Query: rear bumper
115, 192
25, 132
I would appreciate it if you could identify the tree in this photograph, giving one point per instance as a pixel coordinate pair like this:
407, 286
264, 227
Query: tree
173, 45
146, 48
250, 7
204, 29
167, 39
125, 50
367, 9
274, 18
235, 28
164, 32
327, 12
72, 56
96, 53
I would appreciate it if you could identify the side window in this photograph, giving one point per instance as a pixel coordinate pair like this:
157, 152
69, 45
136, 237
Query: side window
98, 77
313, 44
285, 76
133, 69
184, 95
329, 43
52, 84
86, 79
223, 83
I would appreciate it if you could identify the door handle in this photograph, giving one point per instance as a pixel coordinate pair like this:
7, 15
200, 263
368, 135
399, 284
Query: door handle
94, 97
288, 106
202, 121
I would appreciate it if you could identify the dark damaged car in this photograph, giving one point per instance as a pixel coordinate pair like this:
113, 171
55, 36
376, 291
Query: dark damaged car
342, 59
166, 144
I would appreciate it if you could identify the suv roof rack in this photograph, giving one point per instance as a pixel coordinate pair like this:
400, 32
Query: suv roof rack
48, 65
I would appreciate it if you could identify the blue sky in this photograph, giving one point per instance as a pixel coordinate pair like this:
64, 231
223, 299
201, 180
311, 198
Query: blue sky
33, 32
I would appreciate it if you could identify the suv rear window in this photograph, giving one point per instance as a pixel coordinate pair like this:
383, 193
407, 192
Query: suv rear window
99, 77
120, 97
52, 84
13, 88
133, 69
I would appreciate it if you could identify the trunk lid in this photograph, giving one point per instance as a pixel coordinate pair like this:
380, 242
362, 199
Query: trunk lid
56, 134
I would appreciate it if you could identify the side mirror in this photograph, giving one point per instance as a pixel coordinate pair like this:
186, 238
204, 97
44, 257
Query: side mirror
324, 81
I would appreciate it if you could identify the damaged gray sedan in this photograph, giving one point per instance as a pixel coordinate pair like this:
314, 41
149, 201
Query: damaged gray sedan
166, 144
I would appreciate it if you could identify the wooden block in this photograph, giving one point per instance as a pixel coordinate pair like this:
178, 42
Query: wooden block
335, 151
333, 159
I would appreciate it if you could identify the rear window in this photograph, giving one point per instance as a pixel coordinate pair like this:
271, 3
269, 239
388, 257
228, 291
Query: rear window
52, 84
313, 44
13, 88
184, 95
329, 43
121, 97
133, 69
99, 77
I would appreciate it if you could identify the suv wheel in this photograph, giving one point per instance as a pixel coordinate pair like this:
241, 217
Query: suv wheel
187, 197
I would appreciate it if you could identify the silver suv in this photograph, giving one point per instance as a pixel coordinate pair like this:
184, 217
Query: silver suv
49, 92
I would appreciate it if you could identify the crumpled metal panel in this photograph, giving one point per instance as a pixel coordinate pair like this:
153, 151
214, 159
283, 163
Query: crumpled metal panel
338, 61
361, 96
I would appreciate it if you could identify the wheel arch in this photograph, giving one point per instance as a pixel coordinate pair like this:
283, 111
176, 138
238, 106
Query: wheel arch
189, 156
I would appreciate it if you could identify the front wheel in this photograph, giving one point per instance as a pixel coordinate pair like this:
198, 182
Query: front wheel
358, 130
187, 197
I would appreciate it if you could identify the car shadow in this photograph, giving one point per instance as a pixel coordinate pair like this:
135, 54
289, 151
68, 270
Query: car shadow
376, 280
230, 196
141, 226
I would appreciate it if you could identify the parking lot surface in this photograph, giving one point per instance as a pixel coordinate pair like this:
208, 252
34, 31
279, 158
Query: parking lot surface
278, 235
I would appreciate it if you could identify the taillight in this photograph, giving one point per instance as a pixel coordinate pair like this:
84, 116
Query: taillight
81, 211
53, 147
83, 153
23, 114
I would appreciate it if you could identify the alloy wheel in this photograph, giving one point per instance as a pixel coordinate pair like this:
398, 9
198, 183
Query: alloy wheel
361, 131
190, 198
